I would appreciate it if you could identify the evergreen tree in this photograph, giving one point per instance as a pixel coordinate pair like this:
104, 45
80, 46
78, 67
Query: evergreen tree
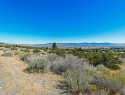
80, 49
54, 46
46, 47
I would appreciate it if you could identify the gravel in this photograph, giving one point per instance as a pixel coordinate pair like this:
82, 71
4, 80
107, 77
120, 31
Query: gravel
11, 73
3, 89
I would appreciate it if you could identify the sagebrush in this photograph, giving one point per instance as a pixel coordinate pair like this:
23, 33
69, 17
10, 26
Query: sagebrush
39, 65
7, 53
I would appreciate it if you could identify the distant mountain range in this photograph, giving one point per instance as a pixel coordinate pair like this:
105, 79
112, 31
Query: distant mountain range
82, 44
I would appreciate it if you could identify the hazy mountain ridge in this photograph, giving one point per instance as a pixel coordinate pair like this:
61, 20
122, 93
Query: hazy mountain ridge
82, 44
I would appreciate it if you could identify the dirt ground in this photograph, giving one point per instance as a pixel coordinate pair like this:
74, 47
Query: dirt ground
14, 81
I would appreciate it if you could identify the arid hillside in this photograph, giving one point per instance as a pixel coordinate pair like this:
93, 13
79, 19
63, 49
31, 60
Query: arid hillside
14, 81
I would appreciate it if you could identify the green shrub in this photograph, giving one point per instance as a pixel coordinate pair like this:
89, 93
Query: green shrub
25, 50
76, 79
13, 48
60, 52
40, 65
52, 57
67, 49
107, 59
98, 81
31, 50
17, 52
36, 51
1, 48
6, 49
102, 67
32, 58
111, 86
104, 79
7, 46
23, 56
7, 53
51, 51
22, 49
121, 72
114, 67
99, 92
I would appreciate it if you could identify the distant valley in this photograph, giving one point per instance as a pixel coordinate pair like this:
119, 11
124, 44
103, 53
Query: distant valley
82, 44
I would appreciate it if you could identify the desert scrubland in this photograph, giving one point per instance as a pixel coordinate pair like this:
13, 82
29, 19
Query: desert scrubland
26, 70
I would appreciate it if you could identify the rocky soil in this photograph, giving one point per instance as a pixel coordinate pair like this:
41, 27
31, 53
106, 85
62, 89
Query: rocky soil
15, 81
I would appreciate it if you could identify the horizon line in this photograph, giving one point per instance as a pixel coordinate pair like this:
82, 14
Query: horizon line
66, 43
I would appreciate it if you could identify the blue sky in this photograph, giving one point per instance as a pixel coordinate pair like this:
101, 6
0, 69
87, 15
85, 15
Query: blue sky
62, 21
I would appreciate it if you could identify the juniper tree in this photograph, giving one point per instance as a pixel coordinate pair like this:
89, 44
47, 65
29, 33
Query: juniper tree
54, 46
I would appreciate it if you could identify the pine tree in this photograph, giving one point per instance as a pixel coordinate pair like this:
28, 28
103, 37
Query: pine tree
54, 46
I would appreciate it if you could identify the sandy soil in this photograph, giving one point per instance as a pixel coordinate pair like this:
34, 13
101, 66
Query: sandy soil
18, 82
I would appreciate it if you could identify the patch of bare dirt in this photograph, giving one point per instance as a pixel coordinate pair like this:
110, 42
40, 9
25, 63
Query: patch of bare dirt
18, 82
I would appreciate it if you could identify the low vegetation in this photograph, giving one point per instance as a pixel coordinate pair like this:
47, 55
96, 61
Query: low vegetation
76, 79
36, 51
31, 58
40, 65
6, 49
86, 71
16, 52
64, 63
1, 48
7, 53
23, 56
13, 48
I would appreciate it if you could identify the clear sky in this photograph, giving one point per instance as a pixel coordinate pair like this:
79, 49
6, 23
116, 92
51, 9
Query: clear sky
62, 21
